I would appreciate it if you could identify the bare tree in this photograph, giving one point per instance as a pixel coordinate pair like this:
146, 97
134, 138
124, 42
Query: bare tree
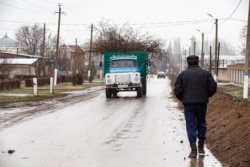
243, 36
111, 38
30, 38
64, 61
50, 47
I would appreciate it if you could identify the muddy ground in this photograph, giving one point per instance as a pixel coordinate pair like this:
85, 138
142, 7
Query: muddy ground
228, 133
228, 120
228, 136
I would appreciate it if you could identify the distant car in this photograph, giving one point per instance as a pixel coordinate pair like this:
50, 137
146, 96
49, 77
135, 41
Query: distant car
161, 74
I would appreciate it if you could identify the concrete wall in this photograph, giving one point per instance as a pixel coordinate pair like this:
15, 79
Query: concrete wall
235, 74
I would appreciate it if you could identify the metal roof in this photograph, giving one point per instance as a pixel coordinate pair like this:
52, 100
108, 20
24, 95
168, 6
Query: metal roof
74, 48
18, 61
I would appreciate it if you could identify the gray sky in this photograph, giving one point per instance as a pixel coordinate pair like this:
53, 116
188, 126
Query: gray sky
166, 19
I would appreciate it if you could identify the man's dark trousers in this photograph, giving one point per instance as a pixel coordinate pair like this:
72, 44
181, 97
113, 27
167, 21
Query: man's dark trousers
195, 115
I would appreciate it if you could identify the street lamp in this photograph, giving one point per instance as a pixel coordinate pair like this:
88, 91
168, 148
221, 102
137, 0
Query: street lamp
216, 46
202, 48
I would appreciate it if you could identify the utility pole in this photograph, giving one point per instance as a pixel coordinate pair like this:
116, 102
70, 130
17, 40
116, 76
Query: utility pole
43, 51
202, 49
247, 62
90, 50
90, 46
43, 45
216, 47
76, 55
57, 45
194, 47
218, 59
185, 58
58, 36
210, 60
180, 62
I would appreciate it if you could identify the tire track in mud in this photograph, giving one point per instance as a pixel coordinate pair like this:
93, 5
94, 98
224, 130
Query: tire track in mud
35, 109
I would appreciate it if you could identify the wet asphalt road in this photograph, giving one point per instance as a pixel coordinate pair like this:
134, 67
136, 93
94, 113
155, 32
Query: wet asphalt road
93, 131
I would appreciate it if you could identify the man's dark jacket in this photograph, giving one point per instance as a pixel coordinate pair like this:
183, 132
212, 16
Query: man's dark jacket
194, 85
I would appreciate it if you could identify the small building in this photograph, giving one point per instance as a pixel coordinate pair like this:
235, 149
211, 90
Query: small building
73, 56
230, 68
19, 67
235, 74
13, 65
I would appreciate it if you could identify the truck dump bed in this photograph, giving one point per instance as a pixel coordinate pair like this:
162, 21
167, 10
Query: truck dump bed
142, 57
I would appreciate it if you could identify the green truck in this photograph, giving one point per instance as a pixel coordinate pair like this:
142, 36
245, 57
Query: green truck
125, 71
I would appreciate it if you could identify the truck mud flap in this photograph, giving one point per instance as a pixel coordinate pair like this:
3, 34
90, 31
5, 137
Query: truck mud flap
139, 92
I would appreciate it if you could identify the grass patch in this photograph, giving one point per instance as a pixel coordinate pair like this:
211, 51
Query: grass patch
27, 94
235, 91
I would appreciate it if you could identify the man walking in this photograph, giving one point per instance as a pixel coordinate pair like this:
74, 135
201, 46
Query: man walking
193, 87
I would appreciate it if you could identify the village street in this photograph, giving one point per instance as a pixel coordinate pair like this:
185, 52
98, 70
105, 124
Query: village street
92, 131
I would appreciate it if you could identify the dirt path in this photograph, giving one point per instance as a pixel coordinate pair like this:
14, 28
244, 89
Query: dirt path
228, 136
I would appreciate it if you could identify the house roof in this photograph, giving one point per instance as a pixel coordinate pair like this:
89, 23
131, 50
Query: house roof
18, 61
74, 48
228, 57
21, 55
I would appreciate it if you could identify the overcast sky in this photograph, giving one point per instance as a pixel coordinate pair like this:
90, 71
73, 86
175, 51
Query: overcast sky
165, 19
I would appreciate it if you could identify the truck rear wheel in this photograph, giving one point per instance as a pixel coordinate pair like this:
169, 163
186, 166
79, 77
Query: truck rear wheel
139, 92
108, 93
114, 93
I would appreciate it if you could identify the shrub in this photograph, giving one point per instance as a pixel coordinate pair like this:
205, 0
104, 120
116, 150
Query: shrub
77, 79
10, 84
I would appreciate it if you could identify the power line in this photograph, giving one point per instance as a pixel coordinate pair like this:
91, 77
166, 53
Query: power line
238, 20
13, 6
25, 22
210, 29
36, 5
175, 23
232, 12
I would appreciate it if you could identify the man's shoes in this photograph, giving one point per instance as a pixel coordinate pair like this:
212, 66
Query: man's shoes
201, 148
193, 153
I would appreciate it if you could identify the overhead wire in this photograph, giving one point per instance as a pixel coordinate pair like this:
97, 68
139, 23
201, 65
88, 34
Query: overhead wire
245, 21
19, 8
146, 25
210, 30
142, 25
26, 1
232, 13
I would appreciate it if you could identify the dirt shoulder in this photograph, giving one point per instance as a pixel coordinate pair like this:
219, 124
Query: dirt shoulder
26, 95
228, 136
228, 123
